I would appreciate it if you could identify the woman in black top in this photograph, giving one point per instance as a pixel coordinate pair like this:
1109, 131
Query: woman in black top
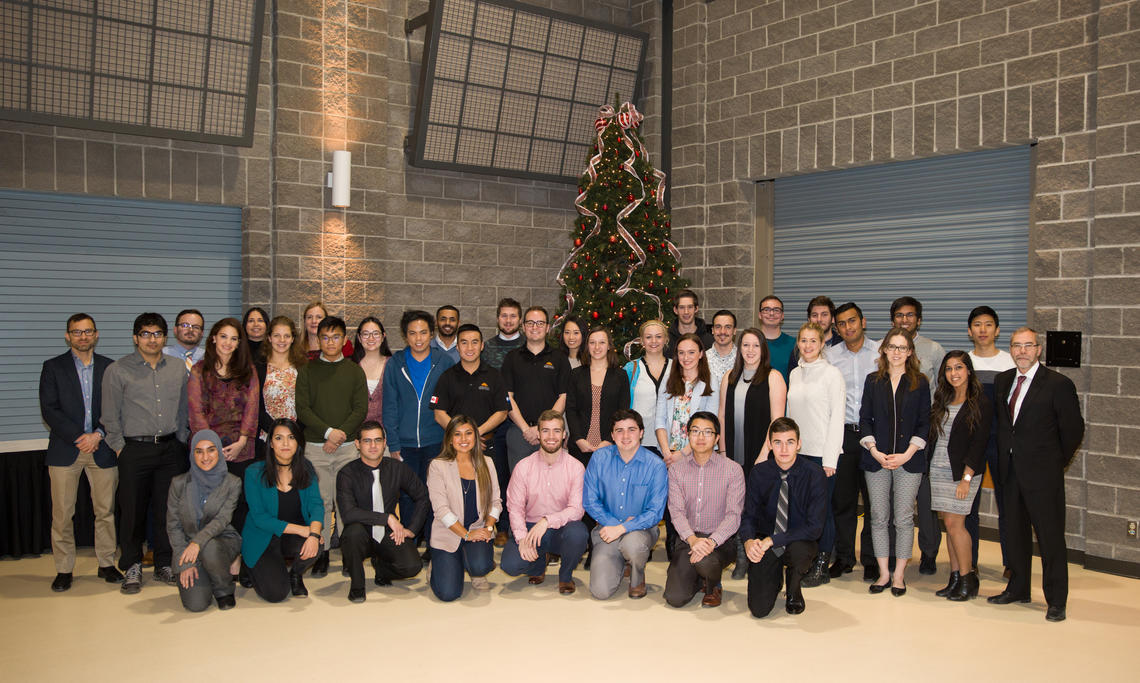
764, 391
597, 389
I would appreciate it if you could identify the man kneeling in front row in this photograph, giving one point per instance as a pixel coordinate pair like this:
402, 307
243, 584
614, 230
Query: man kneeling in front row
782, 522
367, 490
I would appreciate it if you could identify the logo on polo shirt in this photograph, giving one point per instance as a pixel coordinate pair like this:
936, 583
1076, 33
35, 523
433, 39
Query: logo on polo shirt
548, 366
483, 387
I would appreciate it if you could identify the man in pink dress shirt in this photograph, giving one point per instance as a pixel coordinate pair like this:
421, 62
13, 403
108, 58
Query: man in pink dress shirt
706, 496
544, 500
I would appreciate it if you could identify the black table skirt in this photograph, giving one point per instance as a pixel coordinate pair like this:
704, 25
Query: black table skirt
25, 507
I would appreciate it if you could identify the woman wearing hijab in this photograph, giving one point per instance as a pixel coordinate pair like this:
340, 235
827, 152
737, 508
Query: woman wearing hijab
200, 506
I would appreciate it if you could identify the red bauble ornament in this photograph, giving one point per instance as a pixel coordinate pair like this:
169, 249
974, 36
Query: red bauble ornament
611, 304
629, 197
637, 153
574, 265
666, 224
594, 315
613, 239
659, 272
578, 242
637, 233
621, 315
666, 290
596, 275
632, 257
650, 248
587, 257
605, 207
647, 215
607, 280
579, 278
634, 309
674, 269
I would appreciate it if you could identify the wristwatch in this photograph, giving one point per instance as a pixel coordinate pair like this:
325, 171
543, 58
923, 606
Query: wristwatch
967, 477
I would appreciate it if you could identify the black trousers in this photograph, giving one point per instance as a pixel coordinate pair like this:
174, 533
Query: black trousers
849, 485
271, 573
390, 561
766, 576
684, 579
1044, 510
238, 470
145, 471
929, 532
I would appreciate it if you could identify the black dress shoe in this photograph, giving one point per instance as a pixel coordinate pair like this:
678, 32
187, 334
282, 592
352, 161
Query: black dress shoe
110, 574
951, 586
426, 555
356, 595
870, 572
967, 589
321, 566
795, 604
244, 578
1055, 613
898, 592
226, 602
1005, 598
875, 589
839, 569
62, 582
928, 565
297, 585
382, 581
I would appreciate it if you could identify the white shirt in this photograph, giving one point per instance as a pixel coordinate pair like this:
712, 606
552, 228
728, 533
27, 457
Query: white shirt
854, 367
1024, 389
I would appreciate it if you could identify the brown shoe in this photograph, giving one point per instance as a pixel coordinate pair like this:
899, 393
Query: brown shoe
637, 591
500, 539
535, 580
712, 599
565, 587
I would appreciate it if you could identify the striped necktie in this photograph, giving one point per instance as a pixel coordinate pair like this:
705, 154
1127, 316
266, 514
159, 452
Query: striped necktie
189, 360
781, 512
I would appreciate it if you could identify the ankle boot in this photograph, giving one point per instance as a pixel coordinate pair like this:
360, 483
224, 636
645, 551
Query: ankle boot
951, 587
818, 573
741, 569
967, 588
321, 566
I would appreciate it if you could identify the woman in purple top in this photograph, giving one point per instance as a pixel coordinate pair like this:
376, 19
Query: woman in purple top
371, 353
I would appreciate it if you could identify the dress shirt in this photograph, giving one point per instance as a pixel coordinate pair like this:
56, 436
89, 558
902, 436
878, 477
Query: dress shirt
539, 489
139, 400
807, 496
87, 384
355, 490
615, 491
180, 352
855, 366
1024, 390
706, 498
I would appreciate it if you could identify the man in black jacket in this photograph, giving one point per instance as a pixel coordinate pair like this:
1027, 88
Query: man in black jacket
367, 491
1039, 428
686, 306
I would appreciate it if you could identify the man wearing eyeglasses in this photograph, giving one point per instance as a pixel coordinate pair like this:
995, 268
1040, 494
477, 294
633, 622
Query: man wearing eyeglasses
188, 326
367, 490
332, 402
71, 392
780, 345
706, 496
145, 419
537, 379
1039, 428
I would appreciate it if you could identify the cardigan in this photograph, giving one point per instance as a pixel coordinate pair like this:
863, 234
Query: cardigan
217, 515
895, 421
968, 447
446, 492
757, 418
579, 404
261, 524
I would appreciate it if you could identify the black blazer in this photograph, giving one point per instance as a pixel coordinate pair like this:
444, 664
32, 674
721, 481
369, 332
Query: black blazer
61, 405
354, 494
579, 403
911, 418
966, 447
1048, 431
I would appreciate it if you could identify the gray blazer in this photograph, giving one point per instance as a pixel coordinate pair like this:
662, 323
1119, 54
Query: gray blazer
216, 516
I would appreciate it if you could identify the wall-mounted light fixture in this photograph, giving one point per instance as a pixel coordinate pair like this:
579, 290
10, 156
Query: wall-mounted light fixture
340, 179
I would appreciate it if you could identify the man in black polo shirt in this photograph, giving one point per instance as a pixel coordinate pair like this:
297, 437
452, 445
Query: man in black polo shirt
537, 379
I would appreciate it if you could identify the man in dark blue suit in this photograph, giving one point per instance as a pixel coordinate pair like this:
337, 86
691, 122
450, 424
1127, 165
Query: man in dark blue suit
70, 402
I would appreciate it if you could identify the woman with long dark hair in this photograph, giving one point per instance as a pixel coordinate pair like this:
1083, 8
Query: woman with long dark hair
687, 391
255, 324
464, 492
573, 341
371, 353
281, 538
895, 419
960, 420
597, 389
281, 358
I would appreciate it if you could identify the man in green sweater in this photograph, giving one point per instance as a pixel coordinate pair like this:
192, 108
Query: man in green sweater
332, 402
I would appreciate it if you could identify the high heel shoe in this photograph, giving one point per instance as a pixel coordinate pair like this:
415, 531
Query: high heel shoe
951, 587
898, 592
967, 589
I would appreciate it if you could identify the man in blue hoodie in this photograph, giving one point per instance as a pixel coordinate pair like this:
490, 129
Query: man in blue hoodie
409, 383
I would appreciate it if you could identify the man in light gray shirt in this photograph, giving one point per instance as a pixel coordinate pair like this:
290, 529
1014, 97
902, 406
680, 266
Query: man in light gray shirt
145, 417
188, 327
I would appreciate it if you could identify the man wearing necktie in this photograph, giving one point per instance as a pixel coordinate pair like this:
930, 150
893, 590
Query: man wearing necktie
784, 508
367, 490
1039, 428
188, 328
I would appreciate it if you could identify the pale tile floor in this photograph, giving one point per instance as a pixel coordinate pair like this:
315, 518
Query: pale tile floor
518, 632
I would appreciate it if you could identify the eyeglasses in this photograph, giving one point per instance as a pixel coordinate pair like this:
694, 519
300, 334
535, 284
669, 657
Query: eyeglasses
188, 326
332, 337
702, 432
1023, 346
82, 333
771, 309
373, 442
906, 316
896, 347
147, 334
370, 335
535, 323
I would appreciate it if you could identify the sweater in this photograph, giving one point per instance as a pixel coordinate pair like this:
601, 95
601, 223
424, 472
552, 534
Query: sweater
817, 398
331, 395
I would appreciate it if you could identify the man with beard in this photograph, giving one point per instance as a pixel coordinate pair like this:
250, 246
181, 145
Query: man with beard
187, 334
722, 355
686, 305
446, 323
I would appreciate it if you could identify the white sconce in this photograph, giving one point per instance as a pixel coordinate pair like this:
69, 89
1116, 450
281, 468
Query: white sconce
340, 180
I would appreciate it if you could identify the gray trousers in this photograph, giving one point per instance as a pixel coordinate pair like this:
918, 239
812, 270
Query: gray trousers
327, 465
608, 560
901, 501
214, 578
64, 488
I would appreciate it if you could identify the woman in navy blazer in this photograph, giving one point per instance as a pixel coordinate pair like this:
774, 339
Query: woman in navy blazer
282, 534
895, 418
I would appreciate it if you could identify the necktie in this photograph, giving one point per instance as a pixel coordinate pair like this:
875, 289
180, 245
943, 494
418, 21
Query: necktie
377, 506
1013, 396
189, 360
781, 512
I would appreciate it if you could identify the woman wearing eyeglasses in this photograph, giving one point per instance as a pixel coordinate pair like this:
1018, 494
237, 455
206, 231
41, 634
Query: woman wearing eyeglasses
597, 389
895, 419
371, 353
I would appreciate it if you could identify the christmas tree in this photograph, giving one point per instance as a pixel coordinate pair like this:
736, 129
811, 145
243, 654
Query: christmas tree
623, 268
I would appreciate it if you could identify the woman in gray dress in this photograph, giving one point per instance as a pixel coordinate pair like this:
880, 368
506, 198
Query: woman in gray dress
960, 420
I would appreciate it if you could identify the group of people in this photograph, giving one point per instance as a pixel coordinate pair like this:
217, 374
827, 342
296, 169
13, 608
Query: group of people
267, 446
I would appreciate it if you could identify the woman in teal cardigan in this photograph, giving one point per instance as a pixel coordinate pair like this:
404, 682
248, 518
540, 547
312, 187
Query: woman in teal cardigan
282, 534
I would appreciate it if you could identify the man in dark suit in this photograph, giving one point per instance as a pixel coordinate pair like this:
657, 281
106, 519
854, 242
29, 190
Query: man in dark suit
1039, 429
70, 403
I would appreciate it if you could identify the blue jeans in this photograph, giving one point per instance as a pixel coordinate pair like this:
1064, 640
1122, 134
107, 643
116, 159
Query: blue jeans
827, 540
569, 542
477, 558
418, 458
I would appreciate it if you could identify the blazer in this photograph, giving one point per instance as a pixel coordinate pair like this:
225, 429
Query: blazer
966, 447
580, 404
354, 494
217, 515
1048, 431
61, 405
261, 524
446, 493
894, 427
